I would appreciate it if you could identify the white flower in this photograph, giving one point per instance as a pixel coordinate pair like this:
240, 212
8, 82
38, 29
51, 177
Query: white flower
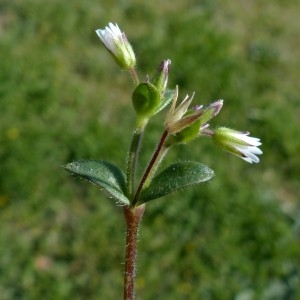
238, 143
117, 44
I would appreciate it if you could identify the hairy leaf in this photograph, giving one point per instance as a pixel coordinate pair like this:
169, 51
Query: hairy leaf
175, 177
102, 173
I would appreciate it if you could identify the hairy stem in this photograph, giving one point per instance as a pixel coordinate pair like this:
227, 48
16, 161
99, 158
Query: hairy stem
132, 159
133, 216
134, 76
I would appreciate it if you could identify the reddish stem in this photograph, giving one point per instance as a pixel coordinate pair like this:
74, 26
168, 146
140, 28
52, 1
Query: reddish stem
133, 216
150, 166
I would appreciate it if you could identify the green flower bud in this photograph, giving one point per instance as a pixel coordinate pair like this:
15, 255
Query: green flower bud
145, 99
160, 79
117, 44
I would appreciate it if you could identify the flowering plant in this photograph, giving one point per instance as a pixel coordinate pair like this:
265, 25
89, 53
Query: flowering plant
182, 124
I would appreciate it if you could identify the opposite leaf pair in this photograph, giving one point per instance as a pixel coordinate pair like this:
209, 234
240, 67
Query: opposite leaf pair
112, 179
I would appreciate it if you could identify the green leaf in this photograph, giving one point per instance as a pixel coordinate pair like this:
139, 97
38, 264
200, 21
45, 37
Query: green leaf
175, 177
102, 173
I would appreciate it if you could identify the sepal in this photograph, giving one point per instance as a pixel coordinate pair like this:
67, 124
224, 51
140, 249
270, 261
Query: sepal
145, 100
184, 136
167, 97
160, 79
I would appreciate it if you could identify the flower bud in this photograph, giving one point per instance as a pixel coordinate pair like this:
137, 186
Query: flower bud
160, 79
117, 44
238, 143
145, 100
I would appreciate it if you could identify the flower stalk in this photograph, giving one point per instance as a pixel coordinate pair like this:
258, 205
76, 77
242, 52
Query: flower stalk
132, 159
152, 166
134, 76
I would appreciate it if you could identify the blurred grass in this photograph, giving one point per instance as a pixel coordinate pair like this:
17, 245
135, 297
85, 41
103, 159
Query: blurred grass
236, 237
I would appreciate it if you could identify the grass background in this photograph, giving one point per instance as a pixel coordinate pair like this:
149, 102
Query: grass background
62, 98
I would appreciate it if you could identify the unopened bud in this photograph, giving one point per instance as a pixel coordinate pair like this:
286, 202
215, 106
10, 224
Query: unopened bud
117, 44
160, 79
145, 100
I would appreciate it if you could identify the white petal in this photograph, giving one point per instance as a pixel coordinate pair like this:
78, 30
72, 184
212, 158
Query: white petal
243, 136
114, 29
251, 141
252, 149
249, 153
107, 39
248, 159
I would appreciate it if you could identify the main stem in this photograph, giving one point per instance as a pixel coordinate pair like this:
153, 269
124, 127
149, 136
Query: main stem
133, 216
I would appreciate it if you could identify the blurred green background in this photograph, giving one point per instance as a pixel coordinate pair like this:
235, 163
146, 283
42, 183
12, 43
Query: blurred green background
62, 98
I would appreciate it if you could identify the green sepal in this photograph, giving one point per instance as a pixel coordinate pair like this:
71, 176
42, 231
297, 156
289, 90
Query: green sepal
177, 176
104, 174
145, 100
167, 97
186, 135
160, 79
208, 113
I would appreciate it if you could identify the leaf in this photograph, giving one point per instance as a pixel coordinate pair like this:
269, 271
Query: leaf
175, 177
102, 173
